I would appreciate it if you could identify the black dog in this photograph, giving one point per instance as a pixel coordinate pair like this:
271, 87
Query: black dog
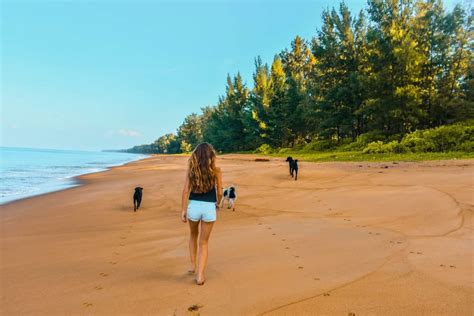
137, 198
290, 163
293, 167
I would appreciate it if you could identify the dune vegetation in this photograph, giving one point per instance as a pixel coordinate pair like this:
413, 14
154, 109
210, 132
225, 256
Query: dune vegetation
391, 82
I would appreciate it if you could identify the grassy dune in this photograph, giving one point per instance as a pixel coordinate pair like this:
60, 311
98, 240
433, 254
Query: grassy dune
359, 156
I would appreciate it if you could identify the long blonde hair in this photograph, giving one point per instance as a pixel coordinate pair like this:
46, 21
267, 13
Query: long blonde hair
202, 169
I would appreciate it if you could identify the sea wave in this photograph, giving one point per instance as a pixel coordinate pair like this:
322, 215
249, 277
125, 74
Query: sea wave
29, 172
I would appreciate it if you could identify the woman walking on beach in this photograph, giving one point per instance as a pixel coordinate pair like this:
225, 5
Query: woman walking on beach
201, 193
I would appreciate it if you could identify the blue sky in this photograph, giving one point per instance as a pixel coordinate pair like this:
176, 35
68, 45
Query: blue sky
112, 74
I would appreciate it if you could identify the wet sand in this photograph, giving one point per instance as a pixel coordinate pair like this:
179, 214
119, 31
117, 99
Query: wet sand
362, 238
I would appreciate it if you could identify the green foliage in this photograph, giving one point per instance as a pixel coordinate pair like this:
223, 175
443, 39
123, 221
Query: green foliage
379, 147
466, 147
457, 137
226, 125
374, 76
415, 142
324, 156
442, 138
186, 147
354, 146
369, 137
374, 148
284, 150
264, 149
167, 144
318, 145
190, 132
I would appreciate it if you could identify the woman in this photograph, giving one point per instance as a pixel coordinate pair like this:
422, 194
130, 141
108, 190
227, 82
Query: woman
201, 193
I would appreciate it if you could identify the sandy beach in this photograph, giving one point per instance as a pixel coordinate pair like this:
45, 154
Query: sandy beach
362, 238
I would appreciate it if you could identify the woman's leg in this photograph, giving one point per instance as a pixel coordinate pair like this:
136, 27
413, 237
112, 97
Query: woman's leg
193, 239
206, 228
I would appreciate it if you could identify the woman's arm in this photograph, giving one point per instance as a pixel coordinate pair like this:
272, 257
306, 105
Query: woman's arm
185, 198
219, 187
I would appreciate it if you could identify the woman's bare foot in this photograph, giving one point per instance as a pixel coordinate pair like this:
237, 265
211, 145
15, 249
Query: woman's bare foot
191, 270
200, 280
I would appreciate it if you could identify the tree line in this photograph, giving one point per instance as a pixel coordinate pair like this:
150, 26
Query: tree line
399, 66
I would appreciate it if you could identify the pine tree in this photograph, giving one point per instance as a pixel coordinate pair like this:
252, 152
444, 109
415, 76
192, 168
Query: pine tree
226, 129
257, 112
297, 64
190, 132
277, 122
395, 103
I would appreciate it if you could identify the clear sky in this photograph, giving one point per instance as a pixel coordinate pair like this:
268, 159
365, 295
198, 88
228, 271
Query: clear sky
109, 74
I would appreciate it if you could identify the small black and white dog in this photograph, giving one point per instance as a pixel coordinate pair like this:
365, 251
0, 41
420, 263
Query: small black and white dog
137, 198
230, 195
293, 167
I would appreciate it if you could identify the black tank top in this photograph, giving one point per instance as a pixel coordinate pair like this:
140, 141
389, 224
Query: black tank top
209, 196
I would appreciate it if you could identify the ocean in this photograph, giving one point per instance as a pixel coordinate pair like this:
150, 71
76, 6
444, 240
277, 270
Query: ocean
26, 172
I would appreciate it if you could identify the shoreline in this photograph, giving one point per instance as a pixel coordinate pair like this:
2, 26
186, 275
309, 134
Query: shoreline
341, 239
75, 181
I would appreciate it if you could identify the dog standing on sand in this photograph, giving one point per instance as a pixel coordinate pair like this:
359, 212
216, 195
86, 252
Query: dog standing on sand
137, 198
293, 164
230, 195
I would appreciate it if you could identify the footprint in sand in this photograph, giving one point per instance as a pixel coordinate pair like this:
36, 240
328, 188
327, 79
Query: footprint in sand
283, 240
351, 314
377, 233
273, 234
86, 304
259, 223
296, 256
442, 265
300, 267
326, 294
112, 262
287, 247
194, 308
452, 266
123, 237
316, 279
103, 274
116, 253
399, 242
98, 287
370, 233
412, 252
269, 228
419, 253
121, 245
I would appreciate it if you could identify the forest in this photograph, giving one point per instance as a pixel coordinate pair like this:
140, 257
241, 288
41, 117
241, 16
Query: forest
377, 80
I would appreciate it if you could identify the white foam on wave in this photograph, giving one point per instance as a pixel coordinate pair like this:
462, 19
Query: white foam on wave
28, 172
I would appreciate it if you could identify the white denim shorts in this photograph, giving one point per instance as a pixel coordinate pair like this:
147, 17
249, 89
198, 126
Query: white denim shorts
201, 210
